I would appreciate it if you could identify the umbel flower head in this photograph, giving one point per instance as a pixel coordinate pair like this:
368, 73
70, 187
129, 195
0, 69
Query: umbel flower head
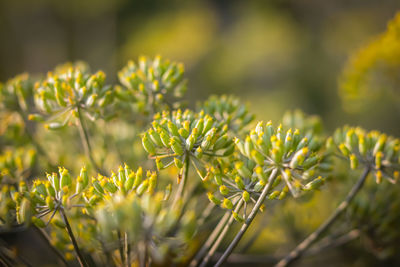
16, 93
287, 160
152, 85
185, 136
228, 109
70, 91
373, 149
294, 156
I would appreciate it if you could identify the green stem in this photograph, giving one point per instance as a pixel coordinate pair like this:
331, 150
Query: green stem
81, 259
126, 250
250, 218
34, 142
85, 141
179, 193
303, 246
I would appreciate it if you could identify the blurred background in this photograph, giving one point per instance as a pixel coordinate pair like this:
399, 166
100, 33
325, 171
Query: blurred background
276, 55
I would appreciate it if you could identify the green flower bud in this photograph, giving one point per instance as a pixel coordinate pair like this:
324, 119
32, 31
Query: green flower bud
242, 169
183, 132
239, 182
138, 178
142, 187
176, 145
152, 183
173, 129
213, 199
50, 202
65, 178
159, 164
218, 178
178, 163
260, 173
380, 144
200, 125
259, 186
298, 158
208, 123
315, 184
36, 117
378, 159
155, 137
148, 145
85, 177
274, 195
129, 182
224, 190
98, 188
353, 162
227, 204
237, 217
257, 157
246, 196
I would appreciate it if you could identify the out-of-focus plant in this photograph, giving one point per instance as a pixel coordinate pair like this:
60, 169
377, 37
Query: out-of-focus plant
128, 217
373, 70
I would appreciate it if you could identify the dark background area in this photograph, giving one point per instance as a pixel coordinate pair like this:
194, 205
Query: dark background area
277, 55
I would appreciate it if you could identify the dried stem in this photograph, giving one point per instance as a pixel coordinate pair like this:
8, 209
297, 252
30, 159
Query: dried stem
303, 246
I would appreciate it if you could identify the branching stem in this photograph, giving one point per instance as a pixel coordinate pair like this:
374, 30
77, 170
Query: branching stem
250, 218
303, 246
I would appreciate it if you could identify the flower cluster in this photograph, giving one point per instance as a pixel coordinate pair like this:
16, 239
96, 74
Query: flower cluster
16, 93
67, 93
15, 165
269, 155
373, 149
186, 136
153, 85
228, 109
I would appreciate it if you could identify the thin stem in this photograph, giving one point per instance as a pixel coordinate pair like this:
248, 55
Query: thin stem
303, 246
239, 258
81, 259
221, 236
210, 240
182, 182
120, 247
126, 250
251, 217
85, 141
46, 238
34, 142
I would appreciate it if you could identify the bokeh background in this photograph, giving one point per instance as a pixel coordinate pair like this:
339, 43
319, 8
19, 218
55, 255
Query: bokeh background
277, 55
